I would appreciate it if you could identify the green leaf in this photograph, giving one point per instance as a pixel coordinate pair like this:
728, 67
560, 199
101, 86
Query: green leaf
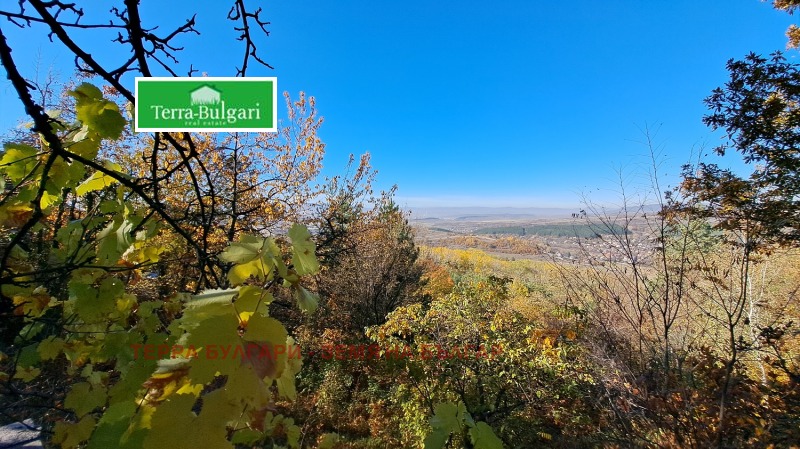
27, 333
218, 409
253, 299
113, 425
119, 411
446, 419
85, 143
64, 174
97, 181
83, 398
29, 355
247, 249
109, 123
27, 373
136, 373
306, 300
293, 436
86, 93
483, 437
100, 115
174, 425
436, 439
248, 437
304, 256
246, 389
18, 160
262, 328
215, 340
285, 383
114, 240
446, 416
90, 304
70, 436
217, 300
108, 252
48, 199
95, 378
268, 336
50, 348
243, 271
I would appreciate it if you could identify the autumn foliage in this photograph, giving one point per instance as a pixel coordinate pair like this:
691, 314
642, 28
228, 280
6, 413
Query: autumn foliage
288, 310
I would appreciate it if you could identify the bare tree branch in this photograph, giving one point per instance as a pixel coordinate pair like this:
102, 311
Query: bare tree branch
238, 12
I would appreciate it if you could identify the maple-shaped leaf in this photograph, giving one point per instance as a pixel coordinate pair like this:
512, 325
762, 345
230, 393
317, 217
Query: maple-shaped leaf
304, 256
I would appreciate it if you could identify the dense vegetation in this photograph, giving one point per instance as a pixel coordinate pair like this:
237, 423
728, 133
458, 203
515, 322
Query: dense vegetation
507, 244
177, 290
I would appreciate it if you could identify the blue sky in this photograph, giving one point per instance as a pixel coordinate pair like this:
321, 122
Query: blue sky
513, 103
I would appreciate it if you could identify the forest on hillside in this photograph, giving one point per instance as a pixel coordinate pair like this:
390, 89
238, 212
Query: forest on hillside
556, 230
214, 290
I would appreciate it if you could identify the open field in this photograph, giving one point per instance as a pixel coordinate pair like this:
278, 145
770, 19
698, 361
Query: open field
566, 239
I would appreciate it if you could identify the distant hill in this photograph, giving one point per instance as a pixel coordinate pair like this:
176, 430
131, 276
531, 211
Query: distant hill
492, 213
561, 230
464, 213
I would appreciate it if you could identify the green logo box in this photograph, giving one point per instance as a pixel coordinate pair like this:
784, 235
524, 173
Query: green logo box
208, 104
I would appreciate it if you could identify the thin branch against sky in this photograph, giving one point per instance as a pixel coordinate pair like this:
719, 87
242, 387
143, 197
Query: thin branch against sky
518, 101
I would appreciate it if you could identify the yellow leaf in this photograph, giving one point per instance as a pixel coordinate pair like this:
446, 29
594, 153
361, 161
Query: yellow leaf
188, 388
47, 200
97, 181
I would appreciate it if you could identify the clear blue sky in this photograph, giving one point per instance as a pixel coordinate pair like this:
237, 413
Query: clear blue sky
519, 103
